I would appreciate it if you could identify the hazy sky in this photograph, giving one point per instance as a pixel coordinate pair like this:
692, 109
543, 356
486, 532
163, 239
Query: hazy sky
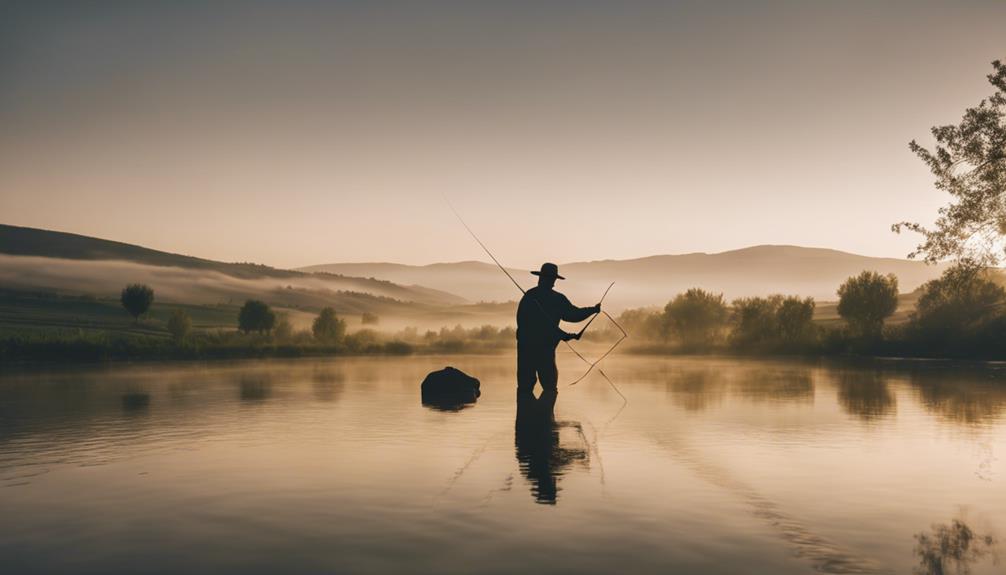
295, 133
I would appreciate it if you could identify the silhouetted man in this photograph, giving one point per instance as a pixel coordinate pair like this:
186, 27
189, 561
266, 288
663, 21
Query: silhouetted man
538, 331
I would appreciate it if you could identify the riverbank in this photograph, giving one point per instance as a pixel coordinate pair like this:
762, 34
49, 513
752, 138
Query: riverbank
104, 346
963, 348
85, 346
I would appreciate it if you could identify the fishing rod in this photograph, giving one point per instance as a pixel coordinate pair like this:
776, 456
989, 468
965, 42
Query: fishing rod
591, 365
604, 295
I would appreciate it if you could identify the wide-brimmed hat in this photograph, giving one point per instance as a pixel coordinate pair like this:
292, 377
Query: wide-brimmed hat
549, 270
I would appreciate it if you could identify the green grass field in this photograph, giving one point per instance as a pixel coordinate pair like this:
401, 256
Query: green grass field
32, 312
44, 326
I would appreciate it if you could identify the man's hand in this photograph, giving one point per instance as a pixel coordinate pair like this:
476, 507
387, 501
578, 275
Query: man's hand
597, 308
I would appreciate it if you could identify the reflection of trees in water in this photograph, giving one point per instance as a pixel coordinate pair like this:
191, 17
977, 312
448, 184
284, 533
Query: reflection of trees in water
960, 396
256, 387
135, 402
950, 548
328, 384
696, 389
542, 457
776, 384
864, 394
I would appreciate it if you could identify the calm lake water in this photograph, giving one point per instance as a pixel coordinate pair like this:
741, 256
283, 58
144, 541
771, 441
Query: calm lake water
715, 465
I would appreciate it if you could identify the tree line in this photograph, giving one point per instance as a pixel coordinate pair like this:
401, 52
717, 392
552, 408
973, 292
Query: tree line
956, 314
255, 316
257, 320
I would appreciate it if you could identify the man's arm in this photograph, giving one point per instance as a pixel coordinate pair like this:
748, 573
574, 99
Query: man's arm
571, 313
566, 336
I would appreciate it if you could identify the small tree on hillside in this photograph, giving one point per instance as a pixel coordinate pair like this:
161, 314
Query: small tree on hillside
283, 329
866, 300
136, 298
257, 316
179, 324
696, 316
328, 327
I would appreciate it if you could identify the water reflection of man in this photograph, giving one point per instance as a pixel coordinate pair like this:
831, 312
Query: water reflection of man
536, 435
538, 331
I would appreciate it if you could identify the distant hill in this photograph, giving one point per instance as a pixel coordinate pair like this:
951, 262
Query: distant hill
34, 259
758, 270
21, 241
65, 262
478, 281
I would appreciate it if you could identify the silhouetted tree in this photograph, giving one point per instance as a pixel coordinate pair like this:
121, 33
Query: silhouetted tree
643, 323
257, 316
283, 330
796, 319
179, 324
969, 162
328, 327
866, 300
696, 316
369, 318
136, 298
960, 298
755, 320
364, 340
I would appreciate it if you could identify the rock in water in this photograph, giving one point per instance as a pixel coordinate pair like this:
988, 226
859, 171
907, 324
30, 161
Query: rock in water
450, 388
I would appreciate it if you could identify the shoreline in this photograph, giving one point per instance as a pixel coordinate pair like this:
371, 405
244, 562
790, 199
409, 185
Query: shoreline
32, 355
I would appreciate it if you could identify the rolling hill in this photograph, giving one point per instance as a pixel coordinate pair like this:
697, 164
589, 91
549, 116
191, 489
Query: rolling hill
69, 263
424, 296
758, 270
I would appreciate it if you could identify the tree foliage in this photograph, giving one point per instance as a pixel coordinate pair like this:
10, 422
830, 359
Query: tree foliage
283, 330
969, 163
796, 318
696, 316
773, 322
257, 316
179, 324
365, 340
328, 327
958, 299
755, 319
866, 300
643, 323
136, 298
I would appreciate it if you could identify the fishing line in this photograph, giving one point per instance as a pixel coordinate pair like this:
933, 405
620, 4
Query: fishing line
591, 365
604, 355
